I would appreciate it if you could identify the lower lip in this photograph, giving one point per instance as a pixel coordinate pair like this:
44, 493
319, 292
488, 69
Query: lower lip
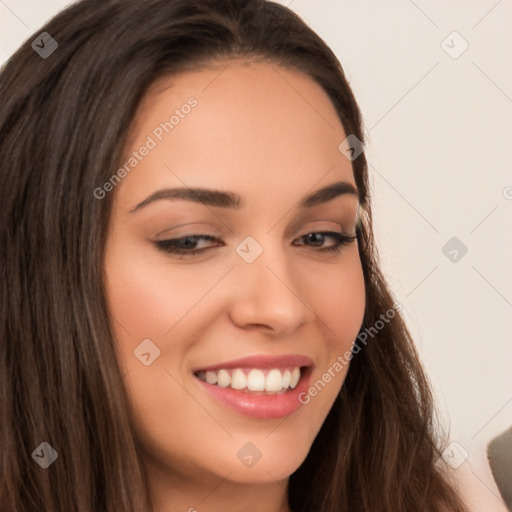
260, 406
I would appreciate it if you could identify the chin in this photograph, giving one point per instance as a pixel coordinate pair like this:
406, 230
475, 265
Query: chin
264, 460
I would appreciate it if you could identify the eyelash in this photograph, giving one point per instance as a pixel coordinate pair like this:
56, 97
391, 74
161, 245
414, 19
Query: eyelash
171, 246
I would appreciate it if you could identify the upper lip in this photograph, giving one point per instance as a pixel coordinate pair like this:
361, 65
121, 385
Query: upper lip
262, 361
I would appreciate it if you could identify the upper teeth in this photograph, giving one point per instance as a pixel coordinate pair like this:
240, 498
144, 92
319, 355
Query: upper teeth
273, 380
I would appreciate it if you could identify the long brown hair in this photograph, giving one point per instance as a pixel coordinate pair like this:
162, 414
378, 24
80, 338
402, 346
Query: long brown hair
64, 121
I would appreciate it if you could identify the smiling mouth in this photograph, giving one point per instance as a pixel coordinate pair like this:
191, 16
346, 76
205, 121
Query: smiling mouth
259, 381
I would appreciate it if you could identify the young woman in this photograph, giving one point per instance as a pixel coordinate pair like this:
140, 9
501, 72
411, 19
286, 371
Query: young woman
193, 315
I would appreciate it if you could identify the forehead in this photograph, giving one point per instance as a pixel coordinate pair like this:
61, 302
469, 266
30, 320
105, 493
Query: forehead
252, 124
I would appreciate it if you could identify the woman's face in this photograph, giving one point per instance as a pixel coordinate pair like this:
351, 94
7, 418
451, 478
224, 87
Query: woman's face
264, 302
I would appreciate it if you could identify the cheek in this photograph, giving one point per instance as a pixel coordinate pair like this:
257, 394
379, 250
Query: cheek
147, 298
336, 293
337, 296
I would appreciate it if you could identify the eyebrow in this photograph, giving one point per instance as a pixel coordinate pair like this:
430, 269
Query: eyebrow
225, 199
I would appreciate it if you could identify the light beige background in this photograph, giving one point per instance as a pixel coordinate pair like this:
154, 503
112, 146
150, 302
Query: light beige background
439, 143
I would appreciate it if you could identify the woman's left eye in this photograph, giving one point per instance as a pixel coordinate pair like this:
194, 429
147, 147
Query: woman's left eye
318, 237
187, 245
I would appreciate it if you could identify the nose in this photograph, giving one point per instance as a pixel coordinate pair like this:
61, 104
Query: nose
267, 294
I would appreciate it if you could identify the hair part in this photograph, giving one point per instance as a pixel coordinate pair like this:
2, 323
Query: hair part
64, 123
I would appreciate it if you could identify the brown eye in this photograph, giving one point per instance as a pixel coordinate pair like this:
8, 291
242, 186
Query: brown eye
187, 245
317, 239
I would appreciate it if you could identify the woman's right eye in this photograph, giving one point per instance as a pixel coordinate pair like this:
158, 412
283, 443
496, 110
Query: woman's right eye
187, 245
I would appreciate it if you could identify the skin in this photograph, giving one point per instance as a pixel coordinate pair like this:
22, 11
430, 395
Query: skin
271, 135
